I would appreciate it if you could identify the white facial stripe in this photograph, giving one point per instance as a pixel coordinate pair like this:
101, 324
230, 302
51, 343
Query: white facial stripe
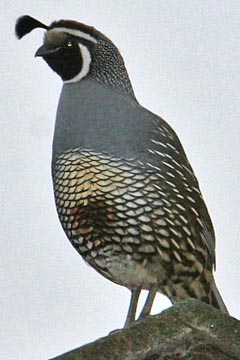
86, 60
77, 33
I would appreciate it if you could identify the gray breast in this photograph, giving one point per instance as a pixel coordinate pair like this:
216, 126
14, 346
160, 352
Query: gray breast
91, 116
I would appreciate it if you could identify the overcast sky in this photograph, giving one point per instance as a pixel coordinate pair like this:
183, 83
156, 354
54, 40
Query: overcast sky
183, 60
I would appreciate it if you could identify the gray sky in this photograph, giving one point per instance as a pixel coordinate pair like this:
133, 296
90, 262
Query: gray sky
183, 60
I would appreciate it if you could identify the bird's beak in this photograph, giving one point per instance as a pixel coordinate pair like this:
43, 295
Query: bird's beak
45, 50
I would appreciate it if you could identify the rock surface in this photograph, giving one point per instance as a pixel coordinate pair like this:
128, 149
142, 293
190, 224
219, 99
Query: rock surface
190, 330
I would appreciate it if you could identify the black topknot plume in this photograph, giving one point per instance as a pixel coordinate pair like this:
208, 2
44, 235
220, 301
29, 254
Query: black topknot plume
25, 24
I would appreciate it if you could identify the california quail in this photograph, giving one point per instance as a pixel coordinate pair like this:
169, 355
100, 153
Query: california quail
126, 195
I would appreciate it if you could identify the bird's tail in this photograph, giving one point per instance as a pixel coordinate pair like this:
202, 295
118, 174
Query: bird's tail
202, 288
215, 298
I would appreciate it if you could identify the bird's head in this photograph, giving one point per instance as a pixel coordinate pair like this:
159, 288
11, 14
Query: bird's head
75, 51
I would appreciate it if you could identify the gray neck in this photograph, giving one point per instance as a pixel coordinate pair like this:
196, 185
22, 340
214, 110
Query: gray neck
108, 68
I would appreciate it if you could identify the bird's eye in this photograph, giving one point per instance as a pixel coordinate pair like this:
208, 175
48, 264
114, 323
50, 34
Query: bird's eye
69, 43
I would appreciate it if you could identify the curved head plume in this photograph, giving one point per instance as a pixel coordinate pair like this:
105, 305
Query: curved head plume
25, 24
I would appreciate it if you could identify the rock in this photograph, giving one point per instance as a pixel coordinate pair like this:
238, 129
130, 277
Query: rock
190, 330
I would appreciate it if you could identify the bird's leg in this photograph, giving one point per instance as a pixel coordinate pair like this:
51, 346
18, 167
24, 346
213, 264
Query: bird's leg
148, 304
133, 306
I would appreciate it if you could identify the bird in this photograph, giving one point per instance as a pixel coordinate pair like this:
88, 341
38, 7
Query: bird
126, 195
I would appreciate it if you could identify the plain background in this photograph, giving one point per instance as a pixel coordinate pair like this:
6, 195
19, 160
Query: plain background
183, 60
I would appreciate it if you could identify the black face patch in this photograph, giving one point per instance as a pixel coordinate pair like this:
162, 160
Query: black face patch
66, 61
